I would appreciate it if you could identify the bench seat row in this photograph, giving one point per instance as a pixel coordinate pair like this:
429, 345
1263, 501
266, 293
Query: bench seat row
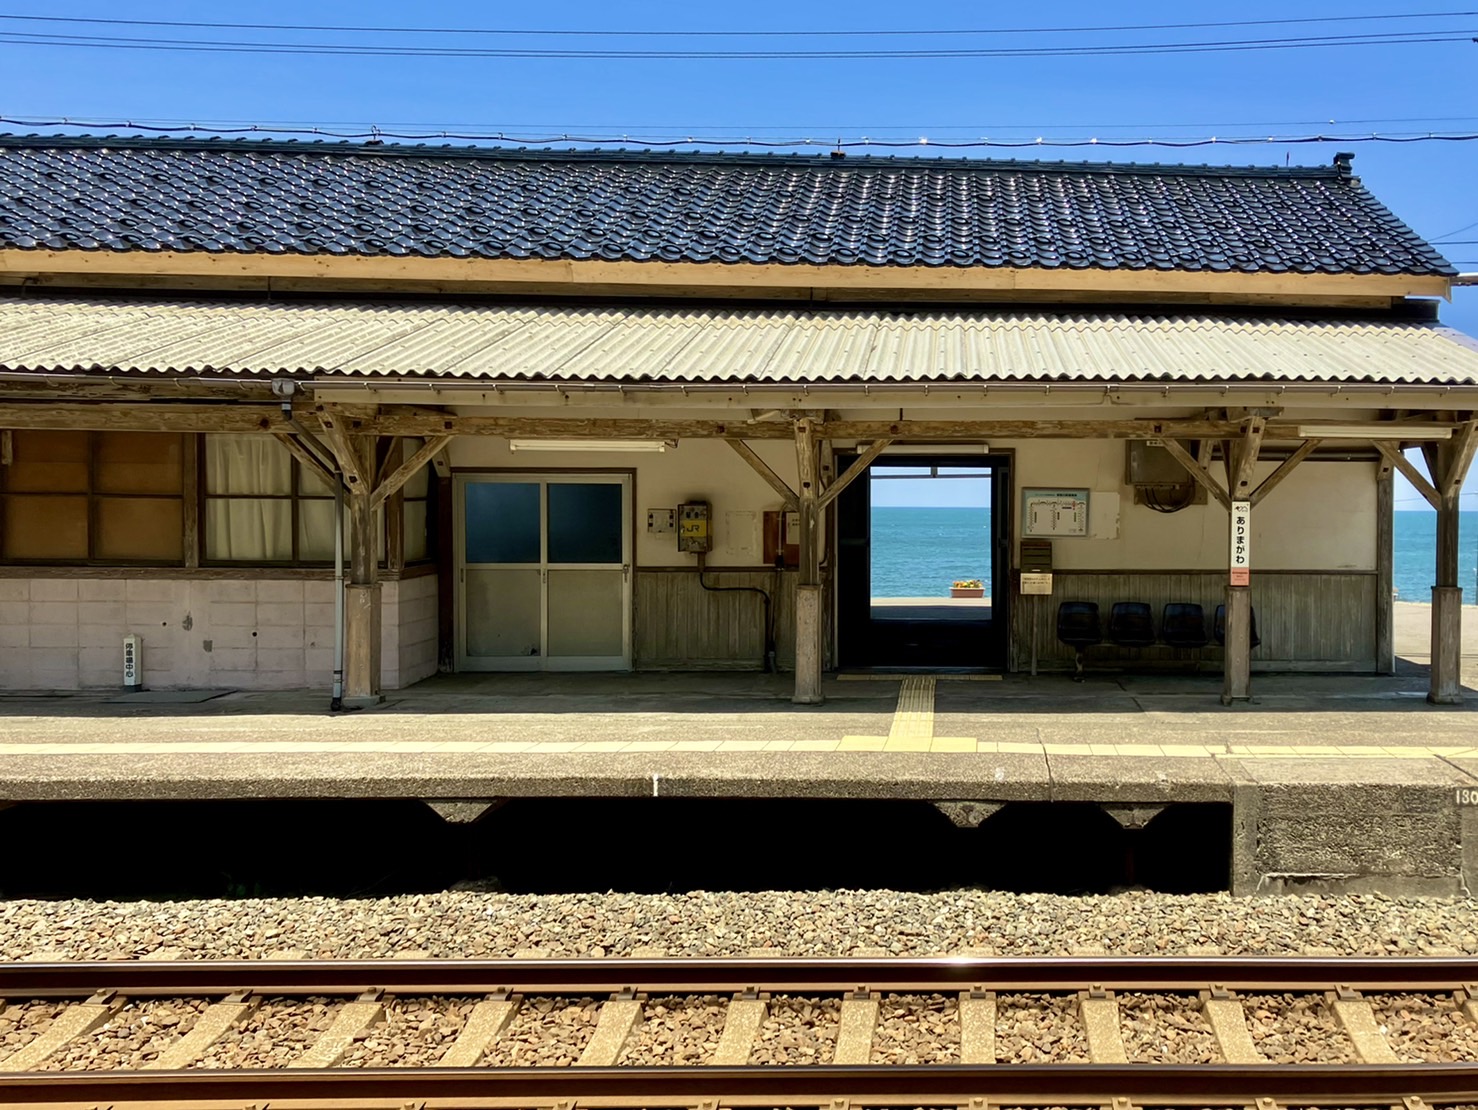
1131, 624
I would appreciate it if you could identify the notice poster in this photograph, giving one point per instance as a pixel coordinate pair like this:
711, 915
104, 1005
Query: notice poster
1054, 512
1241, 550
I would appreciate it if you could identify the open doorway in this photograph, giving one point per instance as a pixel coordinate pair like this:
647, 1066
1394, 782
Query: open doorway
921, 579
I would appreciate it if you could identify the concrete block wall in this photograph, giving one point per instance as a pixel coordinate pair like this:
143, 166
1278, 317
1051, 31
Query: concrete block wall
250, 634
408, 639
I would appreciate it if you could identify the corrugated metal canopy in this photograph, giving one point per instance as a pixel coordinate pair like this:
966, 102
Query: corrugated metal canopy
713, 345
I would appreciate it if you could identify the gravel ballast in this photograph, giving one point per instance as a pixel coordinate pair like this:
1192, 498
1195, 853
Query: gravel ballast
830, 923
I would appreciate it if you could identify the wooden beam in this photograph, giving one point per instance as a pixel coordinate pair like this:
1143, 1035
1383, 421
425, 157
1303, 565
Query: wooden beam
1240, 489
392, 422
762, 468
356, 477
307, 458
408, 469
51, 416
1413, 475
571, 275
848, 476
1197, 471
1273, 480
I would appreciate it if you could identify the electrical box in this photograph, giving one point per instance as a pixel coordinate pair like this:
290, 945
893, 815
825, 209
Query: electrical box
1158, 478
695, 527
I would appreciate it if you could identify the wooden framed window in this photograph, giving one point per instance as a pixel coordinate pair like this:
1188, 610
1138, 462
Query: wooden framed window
262, 506
94, 498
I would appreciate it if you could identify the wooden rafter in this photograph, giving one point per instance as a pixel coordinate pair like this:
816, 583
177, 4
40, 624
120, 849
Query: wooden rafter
1197, 470
1285, 468
762, 468
407, 470
848, 476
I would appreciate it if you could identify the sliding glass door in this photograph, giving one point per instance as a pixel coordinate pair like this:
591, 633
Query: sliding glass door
543, 572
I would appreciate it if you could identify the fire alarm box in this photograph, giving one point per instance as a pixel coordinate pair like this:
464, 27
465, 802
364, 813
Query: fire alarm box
782, 538
695, 527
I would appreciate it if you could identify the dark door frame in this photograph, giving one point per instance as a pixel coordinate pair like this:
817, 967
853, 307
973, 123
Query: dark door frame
864, 642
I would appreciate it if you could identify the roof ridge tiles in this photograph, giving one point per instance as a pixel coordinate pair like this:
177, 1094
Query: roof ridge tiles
821, 157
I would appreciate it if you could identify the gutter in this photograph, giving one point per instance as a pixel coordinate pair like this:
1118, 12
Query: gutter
1465, 279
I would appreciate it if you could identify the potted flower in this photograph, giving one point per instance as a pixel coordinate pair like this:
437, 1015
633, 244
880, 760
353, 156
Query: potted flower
967, 587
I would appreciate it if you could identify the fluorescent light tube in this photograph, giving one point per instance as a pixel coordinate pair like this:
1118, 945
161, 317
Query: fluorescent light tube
591, 444
1371, 431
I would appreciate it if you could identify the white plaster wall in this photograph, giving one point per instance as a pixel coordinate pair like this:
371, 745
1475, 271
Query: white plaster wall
67, 633
1322, 517
695, 470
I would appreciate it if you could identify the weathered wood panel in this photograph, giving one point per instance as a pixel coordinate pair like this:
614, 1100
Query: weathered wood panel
680, 625
1306, 621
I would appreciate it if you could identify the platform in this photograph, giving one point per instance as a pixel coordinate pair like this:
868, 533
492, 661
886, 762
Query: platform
1334, 782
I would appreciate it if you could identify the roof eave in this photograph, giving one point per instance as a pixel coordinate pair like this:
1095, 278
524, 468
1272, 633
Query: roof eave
656, 278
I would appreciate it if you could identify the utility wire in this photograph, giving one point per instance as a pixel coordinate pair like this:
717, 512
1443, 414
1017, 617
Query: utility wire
666, 33
218, 46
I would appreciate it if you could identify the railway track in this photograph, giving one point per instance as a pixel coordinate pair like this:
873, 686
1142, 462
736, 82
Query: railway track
966, 1003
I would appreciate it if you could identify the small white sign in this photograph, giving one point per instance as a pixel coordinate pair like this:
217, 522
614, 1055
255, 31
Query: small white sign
1241, 544
1036, 582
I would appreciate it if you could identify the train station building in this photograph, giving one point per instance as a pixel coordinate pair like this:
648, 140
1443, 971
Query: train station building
625, 411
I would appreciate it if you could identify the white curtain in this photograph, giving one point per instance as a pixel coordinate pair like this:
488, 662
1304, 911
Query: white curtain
244, 529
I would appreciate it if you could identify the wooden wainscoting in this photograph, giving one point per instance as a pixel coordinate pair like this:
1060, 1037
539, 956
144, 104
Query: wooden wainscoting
681, 626
1308, 621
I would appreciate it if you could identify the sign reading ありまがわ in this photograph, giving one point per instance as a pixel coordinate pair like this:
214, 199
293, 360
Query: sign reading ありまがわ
1241, 544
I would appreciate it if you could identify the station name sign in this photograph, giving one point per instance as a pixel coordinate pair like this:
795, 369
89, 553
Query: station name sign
1240, 556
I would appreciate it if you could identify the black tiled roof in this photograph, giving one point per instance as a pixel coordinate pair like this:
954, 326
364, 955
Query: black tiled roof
275, 197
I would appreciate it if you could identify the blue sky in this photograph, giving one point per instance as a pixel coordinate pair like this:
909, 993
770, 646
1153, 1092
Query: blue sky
1351, 90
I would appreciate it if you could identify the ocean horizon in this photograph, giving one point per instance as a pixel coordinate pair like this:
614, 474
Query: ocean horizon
918, 551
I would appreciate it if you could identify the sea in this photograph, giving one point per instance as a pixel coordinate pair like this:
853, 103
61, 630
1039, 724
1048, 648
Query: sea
918, 552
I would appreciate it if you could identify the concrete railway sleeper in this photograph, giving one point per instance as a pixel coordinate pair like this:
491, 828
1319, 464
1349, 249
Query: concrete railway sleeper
659, 1032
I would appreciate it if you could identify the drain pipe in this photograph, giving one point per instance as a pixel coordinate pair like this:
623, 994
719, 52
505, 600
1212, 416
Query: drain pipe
338, 697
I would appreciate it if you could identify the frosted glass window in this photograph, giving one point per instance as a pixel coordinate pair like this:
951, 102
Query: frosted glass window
45, 528
584, 522
247, 465
502, 522
503, 613
249, 529
585, 613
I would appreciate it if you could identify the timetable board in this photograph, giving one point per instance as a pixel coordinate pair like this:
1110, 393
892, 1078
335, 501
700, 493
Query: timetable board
1054, 512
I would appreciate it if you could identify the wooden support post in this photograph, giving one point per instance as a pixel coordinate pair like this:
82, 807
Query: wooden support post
1385, 533
1241, 458
808, 607
362, 594
1448, 463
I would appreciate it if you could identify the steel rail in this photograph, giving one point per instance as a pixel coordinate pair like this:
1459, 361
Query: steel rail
699, 976
1209, 1085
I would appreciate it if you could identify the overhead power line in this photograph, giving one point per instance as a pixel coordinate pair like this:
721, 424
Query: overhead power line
223, 46
699, 33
